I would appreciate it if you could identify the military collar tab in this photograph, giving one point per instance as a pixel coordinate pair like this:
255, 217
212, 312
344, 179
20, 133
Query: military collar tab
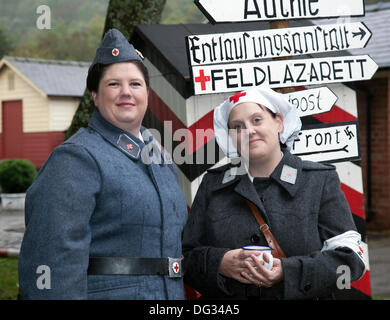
121, 139
288, 173
129, 146
229, 175
226, 176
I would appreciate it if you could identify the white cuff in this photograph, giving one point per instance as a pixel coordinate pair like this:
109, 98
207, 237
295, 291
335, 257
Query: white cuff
350, 239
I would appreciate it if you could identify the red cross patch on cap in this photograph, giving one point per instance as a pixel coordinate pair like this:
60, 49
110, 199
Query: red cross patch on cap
115, 52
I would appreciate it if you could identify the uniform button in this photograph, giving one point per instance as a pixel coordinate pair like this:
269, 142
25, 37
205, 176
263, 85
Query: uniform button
255, 238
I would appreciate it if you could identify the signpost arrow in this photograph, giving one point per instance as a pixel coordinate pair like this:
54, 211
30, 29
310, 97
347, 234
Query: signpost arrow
279, 74
361, 32
312, 101
264, 10
261, 44
328, 143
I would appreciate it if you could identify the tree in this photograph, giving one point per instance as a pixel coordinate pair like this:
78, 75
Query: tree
5, 44
182, 11
123, 15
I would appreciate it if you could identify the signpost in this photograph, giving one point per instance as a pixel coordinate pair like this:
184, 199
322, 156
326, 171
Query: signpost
328, 143
312, 101
278, 74
218, 11
260, 44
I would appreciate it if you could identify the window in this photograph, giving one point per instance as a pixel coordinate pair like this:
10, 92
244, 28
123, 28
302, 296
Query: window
11, 81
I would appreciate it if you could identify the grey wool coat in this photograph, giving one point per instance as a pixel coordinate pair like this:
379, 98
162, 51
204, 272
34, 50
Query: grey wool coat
96, 198
301, 214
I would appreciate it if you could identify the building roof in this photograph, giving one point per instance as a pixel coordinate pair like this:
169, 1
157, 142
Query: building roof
53, 77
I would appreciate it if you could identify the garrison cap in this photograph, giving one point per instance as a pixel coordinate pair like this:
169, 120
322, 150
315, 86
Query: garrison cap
114, 48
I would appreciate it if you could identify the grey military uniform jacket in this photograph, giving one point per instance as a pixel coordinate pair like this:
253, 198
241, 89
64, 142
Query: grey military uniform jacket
301, 214
96, 197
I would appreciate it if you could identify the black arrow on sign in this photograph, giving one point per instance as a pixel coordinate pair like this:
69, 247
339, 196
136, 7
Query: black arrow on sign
362, 33
326, 151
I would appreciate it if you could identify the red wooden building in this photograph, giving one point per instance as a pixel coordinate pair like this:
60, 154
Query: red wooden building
38, 99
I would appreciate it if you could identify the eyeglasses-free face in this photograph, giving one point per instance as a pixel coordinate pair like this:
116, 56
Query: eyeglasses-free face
122, 97
262, 127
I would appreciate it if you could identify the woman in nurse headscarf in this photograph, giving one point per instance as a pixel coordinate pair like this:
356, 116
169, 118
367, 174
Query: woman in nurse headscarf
300, 203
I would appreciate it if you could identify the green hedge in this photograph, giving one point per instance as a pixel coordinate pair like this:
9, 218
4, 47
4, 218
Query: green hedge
16, 175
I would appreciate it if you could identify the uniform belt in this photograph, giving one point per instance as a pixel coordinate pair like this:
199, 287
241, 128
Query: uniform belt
135, 266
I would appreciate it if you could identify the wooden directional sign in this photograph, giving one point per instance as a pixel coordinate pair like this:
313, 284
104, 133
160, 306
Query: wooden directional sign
254, 45
312, 101
328, 143
264, 10
277, 74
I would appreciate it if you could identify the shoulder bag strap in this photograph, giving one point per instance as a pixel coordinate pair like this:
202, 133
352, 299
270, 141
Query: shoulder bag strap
277, 251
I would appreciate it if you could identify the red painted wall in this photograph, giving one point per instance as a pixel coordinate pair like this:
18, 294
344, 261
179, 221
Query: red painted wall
35, 147
38, 146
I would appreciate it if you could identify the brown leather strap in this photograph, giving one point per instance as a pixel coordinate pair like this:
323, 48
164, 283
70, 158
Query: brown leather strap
277, 251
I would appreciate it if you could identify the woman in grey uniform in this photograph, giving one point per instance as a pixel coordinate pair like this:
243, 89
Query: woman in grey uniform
300, 201
105, 215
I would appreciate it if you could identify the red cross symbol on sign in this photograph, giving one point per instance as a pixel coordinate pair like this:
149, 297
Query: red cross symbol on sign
237, 97
202, 79
129, 146
115, 52
175, 267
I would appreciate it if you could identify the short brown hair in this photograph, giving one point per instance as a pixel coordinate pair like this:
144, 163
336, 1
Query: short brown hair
98, 70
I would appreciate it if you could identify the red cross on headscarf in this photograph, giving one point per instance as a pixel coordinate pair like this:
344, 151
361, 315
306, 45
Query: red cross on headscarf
237, 97
115, 52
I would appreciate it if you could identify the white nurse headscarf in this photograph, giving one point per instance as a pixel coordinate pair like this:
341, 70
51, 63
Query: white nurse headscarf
266, 97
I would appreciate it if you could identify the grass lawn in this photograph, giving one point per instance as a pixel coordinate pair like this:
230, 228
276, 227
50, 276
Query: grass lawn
8, 278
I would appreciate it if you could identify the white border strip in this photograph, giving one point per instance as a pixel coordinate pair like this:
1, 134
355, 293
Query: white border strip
350, 174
